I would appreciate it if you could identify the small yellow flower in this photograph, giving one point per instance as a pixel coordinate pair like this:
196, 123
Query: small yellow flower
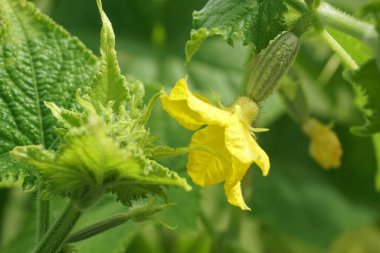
325, 147
224, 149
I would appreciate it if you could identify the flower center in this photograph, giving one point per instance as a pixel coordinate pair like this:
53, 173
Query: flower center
245, 109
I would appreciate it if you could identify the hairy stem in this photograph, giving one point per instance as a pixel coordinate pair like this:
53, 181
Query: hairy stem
327, 15
56, 236
332, 17
135, 214
338, 49
43, 212
99, 227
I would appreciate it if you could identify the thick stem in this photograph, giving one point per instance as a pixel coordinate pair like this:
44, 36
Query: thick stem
338, 49
99, 227
56, 236
328, 15
332, 17
43, 212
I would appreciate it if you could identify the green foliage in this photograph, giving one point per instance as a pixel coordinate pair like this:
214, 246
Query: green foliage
106, 206
361, 240
368, 90
89, 162
323, 201
109, 84
39, 61
297, 208
255, 22
105, 148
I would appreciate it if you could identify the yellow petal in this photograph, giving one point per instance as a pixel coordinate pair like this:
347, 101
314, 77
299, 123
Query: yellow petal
180, 111
243, 147
191, 110
232, 184
235, 196
213, 164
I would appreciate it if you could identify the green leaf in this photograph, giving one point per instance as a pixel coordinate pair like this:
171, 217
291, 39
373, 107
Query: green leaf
69, 118
90, 161
366, 83
39, 61
110, 84
15, 174
255, 22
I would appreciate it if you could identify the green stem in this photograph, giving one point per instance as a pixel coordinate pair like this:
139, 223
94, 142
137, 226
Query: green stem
43, 211
99, 227
295, 100
332, 17
207, 224
337, 48
328, 15
135, 214
376, 143
56, 236
298, 5
329, 70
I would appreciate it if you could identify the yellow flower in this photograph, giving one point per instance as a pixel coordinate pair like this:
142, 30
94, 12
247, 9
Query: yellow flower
224, 149
325, 147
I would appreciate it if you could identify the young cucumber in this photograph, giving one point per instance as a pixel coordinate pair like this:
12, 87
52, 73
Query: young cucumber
271, 65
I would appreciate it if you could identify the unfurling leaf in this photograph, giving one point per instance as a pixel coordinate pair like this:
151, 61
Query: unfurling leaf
90, 162
110, 84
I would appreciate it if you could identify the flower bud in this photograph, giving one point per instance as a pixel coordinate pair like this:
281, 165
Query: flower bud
325, 147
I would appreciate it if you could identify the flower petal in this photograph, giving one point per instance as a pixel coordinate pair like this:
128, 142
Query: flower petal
235, 196
191, 110
243, 147
180, 111
213, 164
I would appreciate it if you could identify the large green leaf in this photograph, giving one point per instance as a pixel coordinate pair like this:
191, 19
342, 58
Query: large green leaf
366, 83
256, 22
39, 61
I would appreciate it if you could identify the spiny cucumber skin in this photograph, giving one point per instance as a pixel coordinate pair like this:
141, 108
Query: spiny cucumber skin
272, 65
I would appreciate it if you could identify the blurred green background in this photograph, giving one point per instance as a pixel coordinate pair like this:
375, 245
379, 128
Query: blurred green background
297, 208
